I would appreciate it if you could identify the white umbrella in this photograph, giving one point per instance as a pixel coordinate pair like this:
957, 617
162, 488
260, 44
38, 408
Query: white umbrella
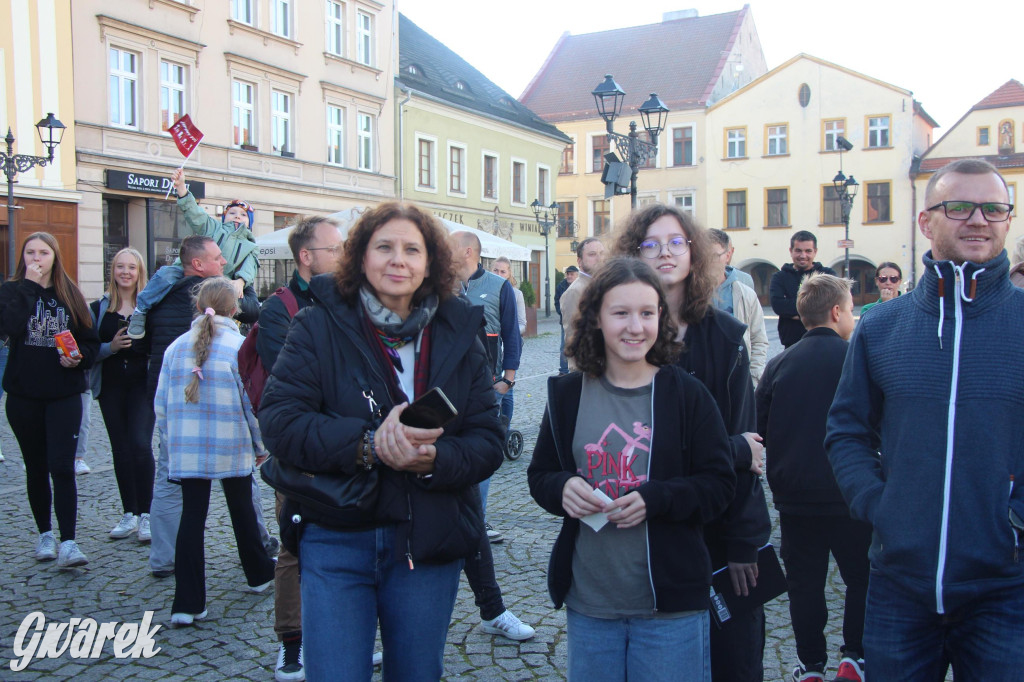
491, 246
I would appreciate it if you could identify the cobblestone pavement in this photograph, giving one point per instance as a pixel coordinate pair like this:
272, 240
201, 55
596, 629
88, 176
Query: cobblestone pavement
237, 641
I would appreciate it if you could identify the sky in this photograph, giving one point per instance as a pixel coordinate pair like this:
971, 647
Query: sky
949, 59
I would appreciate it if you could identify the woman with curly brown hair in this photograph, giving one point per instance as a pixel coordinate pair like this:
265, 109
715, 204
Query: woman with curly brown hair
679, 249
388, 329
637, 441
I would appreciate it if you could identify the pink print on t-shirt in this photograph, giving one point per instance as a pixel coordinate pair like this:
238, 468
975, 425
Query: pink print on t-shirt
614, 473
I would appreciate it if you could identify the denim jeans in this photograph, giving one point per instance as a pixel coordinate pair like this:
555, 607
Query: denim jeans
351, 580
649, 649
507, 405
162, 281
905, 640
563, 362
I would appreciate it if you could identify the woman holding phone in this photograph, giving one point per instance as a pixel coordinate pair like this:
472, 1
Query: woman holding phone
119, 383
44, 387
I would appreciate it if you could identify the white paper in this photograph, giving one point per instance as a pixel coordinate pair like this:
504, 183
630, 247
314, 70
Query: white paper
597, 520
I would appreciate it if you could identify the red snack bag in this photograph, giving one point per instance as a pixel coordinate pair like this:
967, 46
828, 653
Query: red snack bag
66, 345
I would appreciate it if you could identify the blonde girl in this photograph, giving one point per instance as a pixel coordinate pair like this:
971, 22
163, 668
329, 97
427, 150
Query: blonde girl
211, 433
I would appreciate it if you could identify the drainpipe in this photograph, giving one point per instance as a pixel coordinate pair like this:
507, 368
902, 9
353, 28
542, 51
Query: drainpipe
401, 143
913, 228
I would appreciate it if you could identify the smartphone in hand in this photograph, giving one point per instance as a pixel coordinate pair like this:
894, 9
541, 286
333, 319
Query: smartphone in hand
430, 411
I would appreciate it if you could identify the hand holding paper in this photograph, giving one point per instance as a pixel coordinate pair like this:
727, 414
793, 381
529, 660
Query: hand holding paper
597, 520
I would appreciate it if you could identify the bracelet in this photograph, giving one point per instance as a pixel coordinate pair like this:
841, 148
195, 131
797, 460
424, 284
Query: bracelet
511, 383
369, 459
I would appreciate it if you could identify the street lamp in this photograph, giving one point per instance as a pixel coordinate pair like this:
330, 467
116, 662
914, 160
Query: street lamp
547, 217
608, 97
846, 190
51, 131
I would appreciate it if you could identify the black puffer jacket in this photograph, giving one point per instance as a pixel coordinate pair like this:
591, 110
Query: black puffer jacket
783, 289
313, 415
714, 352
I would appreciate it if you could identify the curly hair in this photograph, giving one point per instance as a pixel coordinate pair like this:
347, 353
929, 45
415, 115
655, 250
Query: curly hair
349, 275
701, 283
218, 294
586, 343
67, 292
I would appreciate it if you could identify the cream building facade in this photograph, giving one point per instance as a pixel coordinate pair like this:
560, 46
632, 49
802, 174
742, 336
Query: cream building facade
294, 99
773, 155
689, 61
35, 60
993, 129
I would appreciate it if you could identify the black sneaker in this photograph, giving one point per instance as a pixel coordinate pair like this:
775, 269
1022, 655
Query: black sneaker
289, 662
493, 536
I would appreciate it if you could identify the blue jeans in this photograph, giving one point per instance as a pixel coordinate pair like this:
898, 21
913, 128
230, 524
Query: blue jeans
563, 362
649, 649
351, 580
162, 281
3, 366
906, 640
507, 405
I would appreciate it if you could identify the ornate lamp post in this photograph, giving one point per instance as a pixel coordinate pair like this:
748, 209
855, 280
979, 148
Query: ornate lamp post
608, 97
547, 217
51, 131
846, 190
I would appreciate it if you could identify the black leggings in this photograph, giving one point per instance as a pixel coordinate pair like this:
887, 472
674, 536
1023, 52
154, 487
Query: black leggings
128, 414
47, 432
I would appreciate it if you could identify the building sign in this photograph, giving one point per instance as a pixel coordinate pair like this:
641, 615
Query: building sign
150, 184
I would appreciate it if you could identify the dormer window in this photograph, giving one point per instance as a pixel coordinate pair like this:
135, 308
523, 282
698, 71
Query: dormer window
413, 70
461, 85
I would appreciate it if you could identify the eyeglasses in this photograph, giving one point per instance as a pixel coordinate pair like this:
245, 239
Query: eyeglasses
963, 210
332, 249
891, 279
677, 246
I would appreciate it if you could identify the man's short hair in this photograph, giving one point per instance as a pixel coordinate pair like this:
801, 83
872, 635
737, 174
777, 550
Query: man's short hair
304, 233
571, 268
964, 167
583, 245
720, 237
803, 236
818, 294
192, 246
465, 238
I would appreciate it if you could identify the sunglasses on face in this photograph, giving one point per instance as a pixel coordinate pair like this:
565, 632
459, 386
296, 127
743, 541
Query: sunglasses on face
892, 279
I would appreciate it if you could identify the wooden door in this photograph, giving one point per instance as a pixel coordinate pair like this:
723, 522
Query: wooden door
56, 217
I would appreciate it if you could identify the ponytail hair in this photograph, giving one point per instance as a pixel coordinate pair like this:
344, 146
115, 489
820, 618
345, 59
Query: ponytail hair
216, 297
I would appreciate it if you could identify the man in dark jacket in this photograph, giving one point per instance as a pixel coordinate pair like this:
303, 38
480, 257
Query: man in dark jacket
172, 317
571, 273
803, 247
793, 399
314, 244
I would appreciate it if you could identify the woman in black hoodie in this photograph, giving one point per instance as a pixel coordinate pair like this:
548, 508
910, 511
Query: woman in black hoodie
44, 387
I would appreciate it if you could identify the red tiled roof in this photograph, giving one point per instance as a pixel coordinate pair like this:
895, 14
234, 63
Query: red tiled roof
1010, 161
1009, 94
679, 59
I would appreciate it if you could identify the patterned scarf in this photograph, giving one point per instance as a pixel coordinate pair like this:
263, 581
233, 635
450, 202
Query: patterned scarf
391, 333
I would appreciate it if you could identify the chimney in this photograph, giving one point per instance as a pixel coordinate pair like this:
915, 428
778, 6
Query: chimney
679, 14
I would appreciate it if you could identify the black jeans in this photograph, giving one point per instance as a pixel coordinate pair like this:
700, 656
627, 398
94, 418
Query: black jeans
737, 648
47, 432
479, 569
189, 553
128, 413
806, 543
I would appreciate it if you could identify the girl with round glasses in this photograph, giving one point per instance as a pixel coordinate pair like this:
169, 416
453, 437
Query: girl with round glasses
888, 277
713, 352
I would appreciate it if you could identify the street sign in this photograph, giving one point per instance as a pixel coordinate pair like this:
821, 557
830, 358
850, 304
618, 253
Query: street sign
845, 243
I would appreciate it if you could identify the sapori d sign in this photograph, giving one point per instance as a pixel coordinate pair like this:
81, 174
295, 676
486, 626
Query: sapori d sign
150, 184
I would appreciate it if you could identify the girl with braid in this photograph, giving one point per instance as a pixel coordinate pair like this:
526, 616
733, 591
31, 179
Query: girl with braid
206, 420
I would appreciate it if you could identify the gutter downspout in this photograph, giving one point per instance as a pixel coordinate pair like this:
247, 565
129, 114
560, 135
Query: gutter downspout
913, 227
401, 142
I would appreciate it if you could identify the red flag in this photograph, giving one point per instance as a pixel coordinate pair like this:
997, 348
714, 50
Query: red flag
185, 135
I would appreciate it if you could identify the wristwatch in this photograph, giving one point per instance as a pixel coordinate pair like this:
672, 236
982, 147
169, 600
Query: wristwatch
511, 383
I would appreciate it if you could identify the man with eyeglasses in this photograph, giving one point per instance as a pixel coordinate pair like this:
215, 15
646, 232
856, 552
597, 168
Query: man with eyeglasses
925, 436
589, 256
803, 247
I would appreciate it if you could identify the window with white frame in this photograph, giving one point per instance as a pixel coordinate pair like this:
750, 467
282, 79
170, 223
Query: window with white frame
777, 142
684, 202
124, 90
364, 38
172, 93
281, 123
243, 116
336, 27
542, 185
335, 135
518, 182
365, 129
456, 169
281, 17
490, 177
834, 129
682, 146
244, 11
736, 143
425, 160
878, 131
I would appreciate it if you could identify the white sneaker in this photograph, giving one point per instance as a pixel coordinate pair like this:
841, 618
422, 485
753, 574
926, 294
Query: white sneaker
378, 658
507, 625
70, 556
81, 467
259, 589
145, 535
1, 456
179, 619
46, 548
128, 524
